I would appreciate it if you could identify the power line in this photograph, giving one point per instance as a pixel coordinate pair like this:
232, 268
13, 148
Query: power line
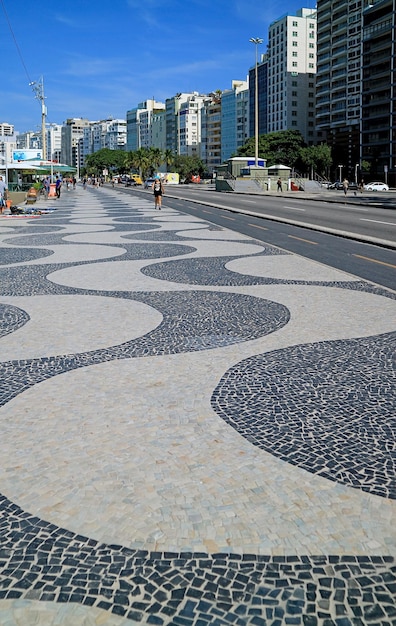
15, 42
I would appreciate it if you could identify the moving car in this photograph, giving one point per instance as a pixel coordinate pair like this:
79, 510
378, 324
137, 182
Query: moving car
148, 182
130, 183
376, 187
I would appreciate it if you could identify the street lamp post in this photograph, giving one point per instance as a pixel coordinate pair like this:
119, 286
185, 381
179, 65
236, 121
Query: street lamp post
257, 41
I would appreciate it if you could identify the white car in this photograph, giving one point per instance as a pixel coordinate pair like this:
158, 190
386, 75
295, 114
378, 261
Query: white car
376, 187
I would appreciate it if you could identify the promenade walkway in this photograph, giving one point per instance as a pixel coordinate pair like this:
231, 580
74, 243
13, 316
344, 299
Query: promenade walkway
197, 428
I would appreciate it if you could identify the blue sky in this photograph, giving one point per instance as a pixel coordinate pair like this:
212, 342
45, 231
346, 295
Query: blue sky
101, 59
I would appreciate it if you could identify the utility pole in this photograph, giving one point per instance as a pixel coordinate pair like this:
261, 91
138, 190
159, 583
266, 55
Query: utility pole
38, 89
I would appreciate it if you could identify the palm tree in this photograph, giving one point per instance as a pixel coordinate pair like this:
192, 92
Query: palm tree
169, 158
140, 159
156, 157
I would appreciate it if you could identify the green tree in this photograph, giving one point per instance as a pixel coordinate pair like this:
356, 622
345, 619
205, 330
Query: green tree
282, 147
188, 166
317, 158
104, 159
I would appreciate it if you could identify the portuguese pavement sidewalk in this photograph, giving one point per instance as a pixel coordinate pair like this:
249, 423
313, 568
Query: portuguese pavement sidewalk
196, 427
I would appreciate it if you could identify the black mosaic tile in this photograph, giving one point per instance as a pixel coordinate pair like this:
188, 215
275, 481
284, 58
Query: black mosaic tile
18, 255
328, 408
11, 318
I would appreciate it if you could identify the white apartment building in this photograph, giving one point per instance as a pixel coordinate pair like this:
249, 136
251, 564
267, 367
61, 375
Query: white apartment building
291, 73
72, 132
54, 142
7, 142
116, 135
190, 125
139, 124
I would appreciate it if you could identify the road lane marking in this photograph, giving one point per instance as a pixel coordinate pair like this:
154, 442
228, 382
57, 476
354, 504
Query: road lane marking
255, 226
378, 222
293, 208
366, 258
314, 243
228, 218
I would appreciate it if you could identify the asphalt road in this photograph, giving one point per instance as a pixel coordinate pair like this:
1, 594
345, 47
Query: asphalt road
358, 237
368, 216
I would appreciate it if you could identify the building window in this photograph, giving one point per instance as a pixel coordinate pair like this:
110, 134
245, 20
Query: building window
294, 63
295, 34
294, 54
295, 23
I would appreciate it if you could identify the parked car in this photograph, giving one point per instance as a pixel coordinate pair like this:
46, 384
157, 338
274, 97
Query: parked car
338, 185
137, 179
376, 187
148, 182
130, 183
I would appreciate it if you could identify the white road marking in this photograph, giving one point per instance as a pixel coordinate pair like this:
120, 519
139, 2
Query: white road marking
378, 222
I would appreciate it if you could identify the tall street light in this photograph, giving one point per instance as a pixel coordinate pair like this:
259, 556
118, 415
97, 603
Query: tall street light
257, 41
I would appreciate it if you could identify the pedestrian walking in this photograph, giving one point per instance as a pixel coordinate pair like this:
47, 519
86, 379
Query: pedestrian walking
3, 194
345, 185
158, 190
58, 185
46, 184
279, 184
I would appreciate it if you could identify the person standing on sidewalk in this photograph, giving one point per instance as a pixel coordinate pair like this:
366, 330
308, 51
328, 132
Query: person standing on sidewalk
279, 184
158, 190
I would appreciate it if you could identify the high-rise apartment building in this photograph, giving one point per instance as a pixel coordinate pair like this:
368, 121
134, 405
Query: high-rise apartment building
190, 125
213, 131
262, 83
234, 118
139, 124
72, 133
378, 126
338, 81
291, 74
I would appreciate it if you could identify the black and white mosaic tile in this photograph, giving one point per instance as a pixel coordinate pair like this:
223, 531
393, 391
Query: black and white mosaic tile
326, 407
191, 321
40, 561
